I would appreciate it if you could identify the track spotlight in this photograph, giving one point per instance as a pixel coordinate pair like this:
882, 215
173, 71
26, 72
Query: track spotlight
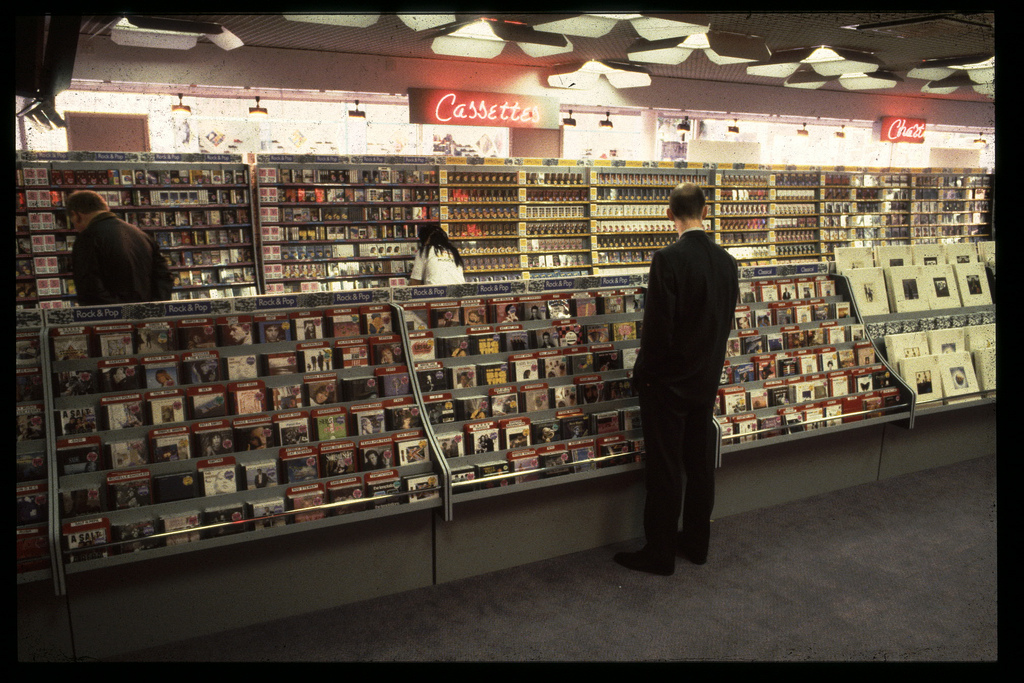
607, 123
356, 113
258, 110
181, 109
684, 125
569, 121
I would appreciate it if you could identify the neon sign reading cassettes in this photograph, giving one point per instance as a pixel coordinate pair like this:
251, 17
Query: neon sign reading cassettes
461, 108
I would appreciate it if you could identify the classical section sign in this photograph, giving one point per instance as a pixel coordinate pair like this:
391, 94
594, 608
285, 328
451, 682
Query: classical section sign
462, 108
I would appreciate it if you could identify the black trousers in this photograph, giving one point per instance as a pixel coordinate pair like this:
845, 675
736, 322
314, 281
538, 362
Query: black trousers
680, 444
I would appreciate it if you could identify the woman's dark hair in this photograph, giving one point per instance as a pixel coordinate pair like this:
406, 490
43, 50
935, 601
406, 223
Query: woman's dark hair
433, 236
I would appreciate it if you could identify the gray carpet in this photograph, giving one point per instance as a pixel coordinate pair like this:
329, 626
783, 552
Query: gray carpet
901, 570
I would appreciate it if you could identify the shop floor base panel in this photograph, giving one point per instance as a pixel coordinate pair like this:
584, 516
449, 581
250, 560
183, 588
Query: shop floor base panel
205, 592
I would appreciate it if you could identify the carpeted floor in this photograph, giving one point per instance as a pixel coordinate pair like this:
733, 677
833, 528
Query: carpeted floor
898, 570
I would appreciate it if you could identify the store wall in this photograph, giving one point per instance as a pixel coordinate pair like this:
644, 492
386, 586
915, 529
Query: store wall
268, 68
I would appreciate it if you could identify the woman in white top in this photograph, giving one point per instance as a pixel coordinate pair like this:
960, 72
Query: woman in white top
437, 261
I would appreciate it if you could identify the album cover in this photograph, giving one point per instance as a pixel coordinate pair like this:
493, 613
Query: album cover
422, 487
29, 384
422, 346
268, 513
338, 457
978, 337
114, 340
176, 486
329, 423
223, 520
303, 497
344, 322
545, 431
131, 536
611, 359
411, 448
346, 491
321, 389
482, 341
254, 433
178, 525
129, 489
894, 255
376, 453
972, 283
581, 453
553, 365
197, 333
947, 340
488, 475
452, 444
605, 422
156, 337
432, 377
441, 408
958, 374
241, 367
70, 421
923, 375
564, 396
505, 310
416, 315
402, 414
368, 419
504, 401
384, 484
314, 357
292, 427
545, 338
200, 367
79, 454
273, 328
514, 433
850, 258
308, 325
86, 539
581, 363
473, 407
463, 376
868, 287
217, 475
446, 314
247, 398
394, 381
27, 349
589, 389
166, 406
985, 368
534, 397
377, 319
513, 338
235, 330
463, 478
206, 402
71, 343
481, 437
282, 363
387, 350
524, 460
161, 371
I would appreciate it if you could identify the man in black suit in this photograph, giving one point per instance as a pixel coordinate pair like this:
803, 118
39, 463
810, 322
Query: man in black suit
112, 261
691, 298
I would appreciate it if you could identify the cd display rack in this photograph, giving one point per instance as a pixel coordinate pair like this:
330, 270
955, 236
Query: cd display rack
799, 360
338, 223
197, 207
177, 423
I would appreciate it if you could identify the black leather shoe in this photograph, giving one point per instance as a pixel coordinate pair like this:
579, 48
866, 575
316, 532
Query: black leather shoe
692, 555
643, 562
